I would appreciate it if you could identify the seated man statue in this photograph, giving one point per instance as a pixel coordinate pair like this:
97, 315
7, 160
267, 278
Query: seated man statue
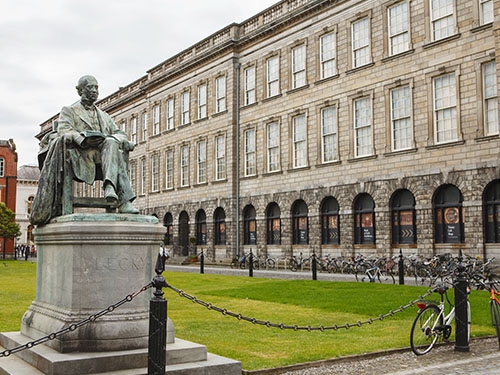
91, 137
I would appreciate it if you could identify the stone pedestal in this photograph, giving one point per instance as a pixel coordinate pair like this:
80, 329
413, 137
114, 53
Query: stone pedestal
87, 263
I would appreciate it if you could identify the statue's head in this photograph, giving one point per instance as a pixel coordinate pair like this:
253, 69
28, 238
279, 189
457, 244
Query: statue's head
88, 89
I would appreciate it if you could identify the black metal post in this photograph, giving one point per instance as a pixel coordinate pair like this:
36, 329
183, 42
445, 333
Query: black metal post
461, 313
250, 264
314, 267
202, 262
401, 268
157, 345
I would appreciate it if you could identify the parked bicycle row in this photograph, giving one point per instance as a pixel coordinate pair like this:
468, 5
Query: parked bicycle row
372, 268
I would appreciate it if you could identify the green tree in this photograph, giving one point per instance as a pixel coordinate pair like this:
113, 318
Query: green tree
8, 227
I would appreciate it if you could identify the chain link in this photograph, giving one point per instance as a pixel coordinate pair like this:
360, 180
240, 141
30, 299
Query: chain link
72, 327
308, 328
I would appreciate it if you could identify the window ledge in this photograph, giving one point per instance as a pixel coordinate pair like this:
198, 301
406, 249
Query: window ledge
326, 79
440, 41
362, 158
296, 89
443, 145
357, 69
486, 138
398, 55
399, 152
271, 98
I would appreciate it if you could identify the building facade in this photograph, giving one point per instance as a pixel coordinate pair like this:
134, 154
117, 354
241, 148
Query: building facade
27, 184
339, 127
8, 182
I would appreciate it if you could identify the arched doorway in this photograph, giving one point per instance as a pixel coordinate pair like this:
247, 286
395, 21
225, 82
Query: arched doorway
184, 233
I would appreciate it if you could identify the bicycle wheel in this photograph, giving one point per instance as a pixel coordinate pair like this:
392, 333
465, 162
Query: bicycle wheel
234, 263
423, 335
271, 263
293, 265
495, 317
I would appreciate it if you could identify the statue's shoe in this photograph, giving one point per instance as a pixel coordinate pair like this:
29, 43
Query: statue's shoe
127, 208
110, 194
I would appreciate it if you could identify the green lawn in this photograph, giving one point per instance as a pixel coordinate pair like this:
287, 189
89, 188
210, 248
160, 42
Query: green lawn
292, 302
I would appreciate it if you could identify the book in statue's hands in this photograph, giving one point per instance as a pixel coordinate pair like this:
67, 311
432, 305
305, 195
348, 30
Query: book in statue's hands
92, 134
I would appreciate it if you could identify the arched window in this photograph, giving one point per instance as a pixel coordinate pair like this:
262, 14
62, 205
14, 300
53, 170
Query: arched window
491, 212
168, 223
184, 233
448, 215
330, 229
273, 214
364, 219
249, 225
300, 223
403, 218
220, 226
201, 228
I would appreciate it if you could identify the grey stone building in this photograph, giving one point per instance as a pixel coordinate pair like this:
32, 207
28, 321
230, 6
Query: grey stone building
340, 127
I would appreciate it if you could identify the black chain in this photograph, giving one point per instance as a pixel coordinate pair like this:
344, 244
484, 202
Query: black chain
74, 326
282, 326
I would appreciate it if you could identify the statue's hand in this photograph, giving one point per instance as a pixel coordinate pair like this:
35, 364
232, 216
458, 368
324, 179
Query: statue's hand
128, 146
91, 142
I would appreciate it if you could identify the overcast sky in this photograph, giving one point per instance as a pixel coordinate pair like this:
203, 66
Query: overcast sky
46, 45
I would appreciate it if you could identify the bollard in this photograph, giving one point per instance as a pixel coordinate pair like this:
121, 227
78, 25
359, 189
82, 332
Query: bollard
314, 267
461, 313
250, 264
157, 344
202, 263
401, 268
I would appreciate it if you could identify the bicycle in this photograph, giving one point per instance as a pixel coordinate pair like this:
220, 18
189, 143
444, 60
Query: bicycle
494, 303
432, 323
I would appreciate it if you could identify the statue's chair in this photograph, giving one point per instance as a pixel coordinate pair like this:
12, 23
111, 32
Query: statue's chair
68, 198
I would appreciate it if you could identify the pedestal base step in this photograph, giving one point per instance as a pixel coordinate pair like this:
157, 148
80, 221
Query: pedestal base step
183, 357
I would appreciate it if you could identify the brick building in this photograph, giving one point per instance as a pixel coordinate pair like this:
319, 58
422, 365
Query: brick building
8, 182
338, 127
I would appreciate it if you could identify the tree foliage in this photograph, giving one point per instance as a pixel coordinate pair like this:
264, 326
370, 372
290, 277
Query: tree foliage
9, 229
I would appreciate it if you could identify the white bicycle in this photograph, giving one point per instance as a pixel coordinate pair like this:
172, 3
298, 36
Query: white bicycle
432, 324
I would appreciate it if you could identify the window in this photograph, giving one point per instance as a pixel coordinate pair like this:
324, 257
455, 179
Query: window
184, 165
327, 55
202, 101
398, 28
144, 125
400, 118
249, 225
273, 224
273, 76
298, 66
486, 11
185, 108
445, 109
273, 147
156, 119
330, 228
133, 175
168, 223
123, 127
170, 114
202, 162
29, 208
300, 233
299, 141
220, 156
491, 212
2, 167
250, 162
155, 173
364, 219
220, 94
169, 169
404, 230
362, 127
360, 36
143, 177
201, 228
442, 22
448, 215
220, 226
329, 134
490, 98
133, 130
249, 85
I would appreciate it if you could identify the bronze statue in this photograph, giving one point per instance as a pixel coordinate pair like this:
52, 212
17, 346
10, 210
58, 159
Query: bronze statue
90, 138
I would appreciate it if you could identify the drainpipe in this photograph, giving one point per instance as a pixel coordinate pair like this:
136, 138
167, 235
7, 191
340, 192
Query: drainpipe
237, 187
